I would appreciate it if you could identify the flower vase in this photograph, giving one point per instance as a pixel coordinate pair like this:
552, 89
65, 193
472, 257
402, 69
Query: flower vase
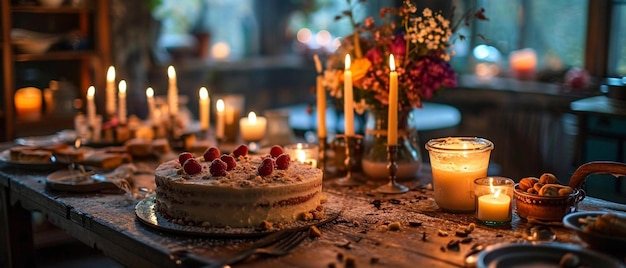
374, 160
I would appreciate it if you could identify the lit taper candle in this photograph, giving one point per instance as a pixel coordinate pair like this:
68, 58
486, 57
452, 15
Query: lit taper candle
121, 96
91, 106
150, 97
321, 99
348, 105
172, 91
110, 92
392, 119
204, 108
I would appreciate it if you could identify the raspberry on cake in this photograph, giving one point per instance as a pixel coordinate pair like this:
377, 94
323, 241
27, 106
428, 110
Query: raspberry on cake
239, 197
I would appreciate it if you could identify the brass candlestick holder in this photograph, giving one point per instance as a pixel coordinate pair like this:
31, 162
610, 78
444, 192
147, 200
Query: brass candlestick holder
392, 187
349, 180
321, 155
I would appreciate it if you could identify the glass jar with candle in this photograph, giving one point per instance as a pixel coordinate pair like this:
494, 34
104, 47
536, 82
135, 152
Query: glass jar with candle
456, 162
494, 196
303, 152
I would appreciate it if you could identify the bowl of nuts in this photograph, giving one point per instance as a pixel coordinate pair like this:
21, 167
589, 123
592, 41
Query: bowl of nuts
546, 199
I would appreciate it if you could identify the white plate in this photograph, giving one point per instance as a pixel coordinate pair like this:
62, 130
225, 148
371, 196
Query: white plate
513, 255
39, 140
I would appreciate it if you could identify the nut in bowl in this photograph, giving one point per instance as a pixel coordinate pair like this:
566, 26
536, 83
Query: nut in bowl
545, 199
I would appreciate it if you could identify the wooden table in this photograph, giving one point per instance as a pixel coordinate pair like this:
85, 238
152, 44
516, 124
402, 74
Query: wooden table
108, 223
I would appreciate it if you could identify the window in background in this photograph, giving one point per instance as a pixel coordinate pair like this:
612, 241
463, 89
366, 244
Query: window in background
552, 34
617, 46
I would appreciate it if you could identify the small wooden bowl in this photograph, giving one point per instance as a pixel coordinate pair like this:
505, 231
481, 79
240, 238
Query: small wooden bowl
546, 208
554, 208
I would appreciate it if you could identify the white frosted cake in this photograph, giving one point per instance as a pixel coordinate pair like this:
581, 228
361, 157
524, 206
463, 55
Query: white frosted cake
248, 192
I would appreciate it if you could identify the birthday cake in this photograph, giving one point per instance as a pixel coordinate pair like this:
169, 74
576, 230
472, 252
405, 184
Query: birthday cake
237, 190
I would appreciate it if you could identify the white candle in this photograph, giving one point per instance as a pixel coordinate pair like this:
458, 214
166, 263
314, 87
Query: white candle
121, 95
91, 106
110, 91
172, 91
494, 207
219, 105
204, 108
252, 127
523, 62
392, 119
321, 100
150, 96
348, 105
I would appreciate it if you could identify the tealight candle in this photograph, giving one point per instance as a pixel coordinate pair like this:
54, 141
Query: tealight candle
28, 103
252, 127
303, 152
455, 163
523, 62
493, 200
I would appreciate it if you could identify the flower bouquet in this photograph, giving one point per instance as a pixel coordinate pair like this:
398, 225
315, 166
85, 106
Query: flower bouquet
421, 43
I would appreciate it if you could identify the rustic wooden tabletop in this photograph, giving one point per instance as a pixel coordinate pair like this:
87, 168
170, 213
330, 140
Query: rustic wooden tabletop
361, 236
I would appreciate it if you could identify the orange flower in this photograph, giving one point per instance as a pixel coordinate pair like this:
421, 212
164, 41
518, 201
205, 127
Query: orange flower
359, 69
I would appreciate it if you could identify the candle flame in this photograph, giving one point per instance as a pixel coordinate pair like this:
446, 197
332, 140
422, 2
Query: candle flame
347, 61
204, 93
171, 73
392, 63
301, 155
252, 118
497, 193
91, 91
77, 143
111, 74
122, 87
219, 105
150, 92
299, 146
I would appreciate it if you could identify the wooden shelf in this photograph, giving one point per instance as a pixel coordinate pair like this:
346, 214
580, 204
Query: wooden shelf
50, 10
91, 20
56, 55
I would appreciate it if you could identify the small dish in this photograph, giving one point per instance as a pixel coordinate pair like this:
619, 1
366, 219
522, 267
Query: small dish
612, 244
541, 255
39, 140
75, 181
546, 208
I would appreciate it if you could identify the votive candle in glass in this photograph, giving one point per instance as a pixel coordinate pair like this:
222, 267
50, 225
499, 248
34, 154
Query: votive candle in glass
494, 196
456, 162
303, 152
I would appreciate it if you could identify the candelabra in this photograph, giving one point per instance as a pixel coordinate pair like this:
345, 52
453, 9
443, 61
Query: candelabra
349, 180
392, 187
